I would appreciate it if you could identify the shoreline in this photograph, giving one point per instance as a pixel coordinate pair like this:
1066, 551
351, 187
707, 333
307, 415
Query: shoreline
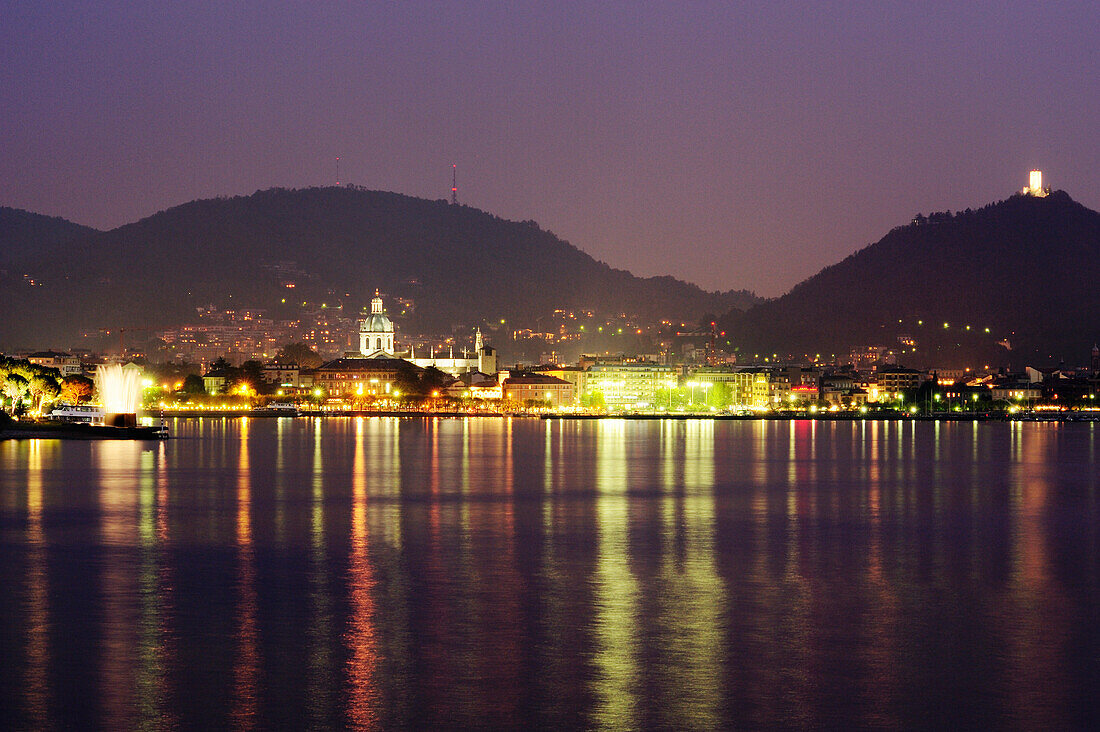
47, 431
39, 431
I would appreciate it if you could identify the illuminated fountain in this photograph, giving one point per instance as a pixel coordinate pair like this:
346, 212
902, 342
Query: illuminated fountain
119, 390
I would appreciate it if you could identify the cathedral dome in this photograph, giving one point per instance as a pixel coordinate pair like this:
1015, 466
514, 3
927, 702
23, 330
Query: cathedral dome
376, 332
377, 323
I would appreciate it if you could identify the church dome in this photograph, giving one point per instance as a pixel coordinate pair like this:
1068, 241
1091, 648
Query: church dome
377, 323
376, 332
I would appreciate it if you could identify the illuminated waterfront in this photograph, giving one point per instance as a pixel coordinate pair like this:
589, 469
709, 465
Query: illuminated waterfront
382, 572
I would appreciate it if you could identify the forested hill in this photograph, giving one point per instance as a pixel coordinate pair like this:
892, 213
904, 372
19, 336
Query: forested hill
1013, 282
456, 263
27, 237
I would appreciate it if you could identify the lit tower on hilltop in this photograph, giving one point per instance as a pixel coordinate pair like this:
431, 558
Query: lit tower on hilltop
1035, 185
454, 184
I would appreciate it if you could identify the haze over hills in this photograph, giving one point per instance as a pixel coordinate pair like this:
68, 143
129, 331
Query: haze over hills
334, 245
1027, 269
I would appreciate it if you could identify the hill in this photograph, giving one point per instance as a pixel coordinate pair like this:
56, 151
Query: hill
26, 237
1013, 282
457, 265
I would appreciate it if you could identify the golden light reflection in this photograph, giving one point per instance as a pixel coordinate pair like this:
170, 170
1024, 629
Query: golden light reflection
246, 665
616, 587
151, 651
119, 461
692, 601
36, 695
319, 678
362, 665
1035, 655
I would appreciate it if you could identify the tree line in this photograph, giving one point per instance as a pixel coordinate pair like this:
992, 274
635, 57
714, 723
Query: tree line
27, 387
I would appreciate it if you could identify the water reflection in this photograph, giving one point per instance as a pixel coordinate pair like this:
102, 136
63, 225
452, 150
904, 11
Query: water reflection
376, 572
363, 700
38, 622
246, 664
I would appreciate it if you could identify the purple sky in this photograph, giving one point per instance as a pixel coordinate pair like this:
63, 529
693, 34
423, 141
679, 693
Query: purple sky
730, 144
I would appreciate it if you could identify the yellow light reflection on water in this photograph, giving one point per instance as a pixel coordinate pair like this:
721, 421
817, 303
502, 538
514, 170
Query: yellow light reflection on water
119, 462
362, 663
246, 664
36, 694
616, 588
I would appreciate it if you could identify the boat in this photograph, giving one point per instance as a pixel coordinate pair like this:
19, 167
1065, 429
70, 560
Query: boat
277, 409
78, 414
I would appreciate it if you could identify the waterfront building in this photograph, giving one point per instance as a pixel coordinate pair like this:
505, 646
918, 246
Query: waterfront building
282, 374
892, 380
575, 375
629, 384
751, 387
374, 376
65, 363
214, 380
539, 388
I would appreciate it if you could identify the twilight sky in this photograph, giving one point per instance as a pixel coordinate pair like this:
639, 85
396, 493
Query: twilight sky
730, 144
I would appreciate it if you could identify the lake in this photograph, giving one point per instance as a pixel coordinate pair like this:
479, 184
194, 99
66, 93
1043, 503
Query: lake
406, 573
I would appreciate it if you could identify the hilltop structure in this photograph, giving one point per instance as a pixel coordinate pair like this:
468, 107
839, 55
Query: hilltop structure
1034, 185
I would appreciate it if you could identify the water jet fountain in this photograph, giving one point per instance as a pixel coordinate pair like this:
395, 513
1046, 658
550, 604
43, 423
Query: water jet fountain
119, 390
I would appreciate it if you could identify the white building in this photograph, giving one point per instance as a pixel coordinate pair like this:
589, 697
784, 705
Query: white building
376, 330
376, 333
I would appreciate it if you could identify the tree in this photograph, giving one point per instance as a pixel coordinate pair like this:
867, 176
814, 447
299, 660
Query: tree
299, 353
77, 389
220, 366
192, 384
593, 400
43, 388
250, 373
719, 396
15, 387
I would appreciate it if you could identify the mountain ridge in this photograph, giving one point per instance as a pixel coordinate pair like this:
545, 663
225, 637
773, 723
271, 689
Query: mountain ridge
27, 236
457, 263
1022, 267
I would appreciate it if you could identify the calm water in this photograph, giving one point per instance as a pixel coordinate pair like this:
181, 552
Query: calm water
387, 573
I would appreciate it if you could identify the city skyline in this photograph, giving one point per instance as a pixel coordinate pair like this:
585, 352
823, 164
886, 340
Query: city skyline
730, 147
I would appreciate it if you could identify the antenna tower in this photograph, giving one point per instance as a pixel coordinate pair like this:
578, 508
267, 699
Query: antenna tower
454, 184
337, 170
